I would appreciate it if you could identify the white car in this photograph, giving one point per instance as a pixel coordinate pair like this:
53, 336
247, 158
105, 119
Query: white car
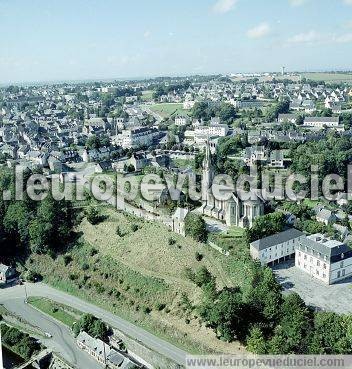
48, 335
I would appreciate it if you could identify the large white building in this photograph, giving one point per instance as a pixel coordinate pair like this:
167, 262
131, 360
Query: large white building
322, 122
323, 258
136, 137
276, 248
219, 130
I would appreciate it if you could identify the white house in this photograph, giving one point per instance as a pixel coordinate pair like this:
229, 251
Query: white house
7, 274
181, 120
323, 258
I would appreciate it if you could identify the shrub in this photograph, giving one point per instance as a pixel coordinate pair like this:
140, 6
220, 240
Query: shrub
85, 266
67, 259
171, 241
199, 256
93, 252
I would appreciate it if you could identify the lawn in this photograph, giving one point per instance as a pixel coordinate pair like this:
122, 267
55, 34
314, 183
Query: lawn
139, 274
147, 96
329, 77
168, 109
55, 310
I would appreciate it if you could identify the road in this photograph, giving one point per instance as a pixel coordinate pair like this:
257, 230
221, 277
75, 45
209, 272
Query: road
13, 297
62, 341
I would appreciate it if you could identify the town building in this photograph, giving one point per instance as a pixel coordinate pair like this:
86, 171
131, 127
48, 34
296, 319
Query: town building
279, 247
327, 260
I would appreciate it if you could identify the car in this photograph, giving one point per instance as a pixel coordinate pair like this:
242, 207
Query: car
48, 335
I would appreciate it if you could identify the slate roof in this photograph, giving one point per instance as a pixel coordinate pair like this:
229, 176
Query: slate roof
277, 239
322, 119
322, 247
4, 268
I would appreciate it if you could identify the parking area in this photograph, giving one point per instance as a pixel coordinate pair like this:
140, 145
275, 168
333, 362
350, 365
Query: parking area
337, 297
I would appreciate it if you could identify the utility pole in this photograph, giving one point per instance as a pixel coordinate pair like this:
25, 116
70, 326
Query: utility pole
25, 292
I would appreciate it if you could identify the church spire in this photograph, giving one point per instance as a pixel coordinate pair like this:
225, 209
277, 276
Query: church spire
207, 159
208, 174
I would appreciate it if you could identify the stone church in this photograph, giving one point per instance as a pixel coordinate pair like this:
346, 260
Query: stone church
234, 211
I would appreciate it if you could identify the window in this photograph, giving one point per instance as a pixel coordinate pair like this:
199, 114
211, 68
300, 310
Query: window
317, 271
318, 262
299, 253
305, 257
341, 264
324, 266
343, 272
338, 274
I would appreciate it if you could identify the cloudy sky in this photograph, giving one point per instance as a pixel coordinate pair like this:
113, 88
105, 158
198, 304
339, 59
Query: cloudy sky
45, 40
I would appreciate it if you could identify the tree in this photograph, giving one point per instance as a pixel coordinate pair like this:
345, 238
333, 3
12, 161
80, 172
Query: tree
195, 227
93, 326
281, 107
227, 113
16, 221
226, 315
266, 225
256, 342
93, 142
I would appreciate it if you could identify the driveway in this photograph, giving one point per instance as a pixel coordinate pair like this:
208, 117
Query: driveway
336, 297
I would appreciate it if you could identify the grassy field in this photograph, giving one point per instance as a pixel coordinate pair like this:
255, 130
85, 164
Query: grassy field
139, 274
147, 96
168, 109
60, 312
329, 77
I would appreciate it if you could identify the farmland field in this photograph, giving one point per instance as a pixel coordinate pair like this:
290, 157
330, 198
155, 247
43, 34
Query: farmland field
136, 269
329, 77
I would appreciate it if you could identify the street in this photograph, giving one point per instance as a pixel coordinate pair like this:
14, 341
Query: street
62, 341
13, 299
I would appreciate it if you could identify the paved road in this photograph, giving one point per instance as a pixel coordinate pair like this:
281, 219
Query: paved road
62, 341
11, 297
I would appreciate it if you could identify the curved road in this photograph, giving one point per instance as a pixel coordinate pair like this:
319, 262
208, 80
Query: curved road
13, 299
62, 341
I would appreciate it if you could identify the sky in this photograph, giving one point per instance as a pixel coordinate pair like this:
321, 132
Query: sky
54, 40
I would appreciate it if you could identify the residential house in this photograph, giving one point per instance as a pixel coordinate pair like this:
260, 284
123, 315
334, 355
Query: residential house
325, 216
276, 159
287, 118
7, 274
